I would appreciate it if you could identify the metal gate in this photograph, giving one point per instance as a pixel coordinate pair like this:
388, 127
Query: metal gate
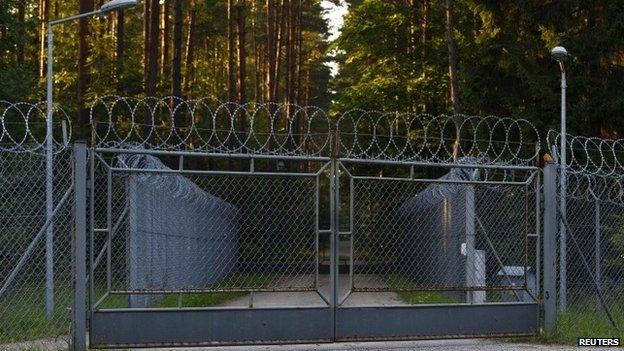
227, 224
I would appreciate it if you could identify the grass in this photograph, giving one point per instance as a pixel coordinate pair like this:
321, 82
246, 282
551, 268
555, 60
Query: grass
419, 297
583, 320
201, 299
573, 325
22, 316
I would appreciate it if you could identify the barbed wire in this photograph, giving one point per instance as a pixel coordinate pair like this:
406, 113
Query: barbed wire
590, 155
594, 166
23, 127
208, 125
175, 185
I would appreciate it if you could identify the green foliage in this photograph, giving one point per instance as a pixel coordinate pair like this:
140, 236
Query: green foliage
504, 60
420, 297
206, 74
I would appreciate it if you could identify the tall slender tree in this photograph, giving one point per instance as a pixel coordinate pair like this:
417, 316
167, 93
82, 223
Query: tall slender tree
84, 51
44, 16
176, 62
120, 30
242, 52
231, 48
152, 50
453, 75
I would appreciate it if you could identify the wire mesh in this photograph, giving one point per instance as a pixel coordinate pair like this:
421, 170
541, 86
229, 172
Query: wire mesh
596, 223
414, 235
184, 231
28, 320
157, 231
594, 244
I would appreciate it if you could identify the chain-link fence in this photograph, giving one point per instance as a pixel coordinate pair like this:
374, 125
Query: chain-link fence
183, 231
163, 226
35, 244
597, 226
591, 251
451, 234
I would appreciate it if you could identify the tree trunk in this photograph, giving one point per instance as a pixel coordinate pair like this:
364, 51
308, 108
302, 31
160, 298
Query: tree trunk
189, 63
231, 47
423, 43
146, 43
119, 50
290, 48
44, 17
256, 54
152, 74
281, 30
454, 80
242, 54
176, 63
83, 54
165, 26
270, 49
21, 16
300, 53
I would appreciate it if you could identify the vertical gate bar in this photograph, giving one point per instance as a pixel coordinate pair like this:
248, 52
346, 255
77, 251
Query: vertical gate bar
92, 228
597, 253
334, 222
351, 240
526, 237
49, 203
332, 258
316, 231
538, 235
470, 242
549, 300
79, 316
336, 238
109, 226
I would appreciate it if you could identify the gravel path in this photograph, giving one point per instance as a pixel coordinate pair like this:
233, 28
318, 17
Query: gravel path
423, 345
311, 298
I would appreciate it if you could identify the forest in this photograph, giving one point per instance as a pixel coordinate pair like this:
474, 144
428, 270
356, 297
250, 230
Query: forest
476, 57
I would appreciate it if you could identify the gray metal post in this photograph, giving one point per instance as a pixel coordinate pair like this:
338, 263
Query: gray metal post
549, 291
563, 243
597, 253
49, 244
335, 229
470, 241
79, 246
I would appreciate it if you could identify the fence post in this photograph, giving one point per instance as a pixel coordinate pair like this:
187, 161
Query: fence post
471, 267
79, 248
549, 291
597, 254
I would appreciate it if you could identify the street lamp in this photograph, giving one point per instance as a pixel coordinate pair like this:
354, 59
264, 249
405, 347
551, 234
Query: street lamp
113, 5
560, 54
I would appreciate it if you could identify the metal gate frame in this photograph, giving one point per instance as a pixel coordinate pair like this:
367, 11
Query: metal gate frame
210, 325
447, 320
298, 324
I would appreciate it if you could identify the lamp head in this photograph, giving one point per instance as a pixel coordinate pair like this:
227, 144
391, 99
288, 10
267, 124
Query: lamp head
558, 53
115, 5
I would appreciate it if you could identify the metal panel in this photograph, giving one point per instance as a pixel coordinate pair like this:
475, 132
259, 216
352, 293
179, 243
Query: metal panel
79, 248
550, 247
171, 327
428, 321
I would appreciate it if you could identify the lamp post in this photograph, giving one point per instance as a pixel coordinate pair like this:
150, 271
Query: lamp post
113, 5
560, 54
